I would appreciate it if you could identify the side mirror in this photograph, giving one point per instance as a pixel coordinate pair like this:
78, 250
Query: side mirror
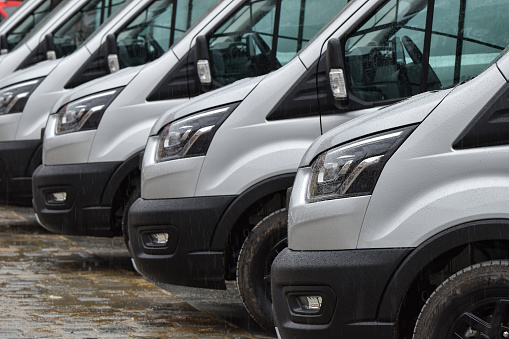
49, 44
112, 51
4, 48
337, 92
202, 62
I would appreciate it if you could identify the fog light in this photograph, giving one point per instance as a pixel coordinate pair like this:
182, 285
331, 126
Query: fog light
59, 196
310, 302
159, 239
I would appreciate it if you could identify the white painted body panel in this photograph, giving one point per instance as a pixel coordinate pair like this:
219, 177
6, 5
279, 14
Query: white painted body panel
60, 14
247, 148
126, 124
334, 223
57, 73
438, 187
425, 187
186, 171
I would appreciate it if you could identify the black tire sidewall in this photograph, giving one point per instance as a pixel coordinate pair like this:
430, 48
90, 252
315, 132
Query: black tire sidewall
135, 194
455, 295
251, 265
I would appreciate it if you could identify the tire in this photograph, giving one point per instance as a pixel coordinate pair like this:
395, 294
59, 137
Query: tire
264, 242
472, 303
134, 193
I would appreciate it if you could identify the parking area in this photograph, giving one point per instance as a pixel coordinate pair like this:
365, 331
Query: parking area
54, 286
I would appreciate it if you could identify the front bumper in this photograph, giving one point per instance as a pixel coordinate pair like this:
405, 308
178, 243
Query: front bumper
18, 160
351, 283
82, 212
187, 258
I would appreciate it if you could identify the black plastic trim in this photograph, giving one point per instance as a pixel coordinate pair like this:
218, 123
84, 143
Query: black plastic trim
191, 262
116, 179
301, 99
82, 213
95, 67
176, 84
17, 160
433, 248
357, 279
242, 202
490, 126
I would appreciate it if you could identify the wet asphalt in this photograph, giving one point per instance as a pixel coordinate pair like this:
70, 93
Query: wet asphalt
55, 286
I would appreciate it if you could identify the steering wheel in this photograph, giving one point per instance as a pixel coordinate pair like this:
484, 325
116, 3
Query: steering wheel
412, 49
237, 49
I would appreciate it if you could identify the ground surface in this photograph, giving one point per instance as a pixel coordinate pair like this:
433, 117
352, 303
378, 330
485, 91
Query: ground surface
54, 286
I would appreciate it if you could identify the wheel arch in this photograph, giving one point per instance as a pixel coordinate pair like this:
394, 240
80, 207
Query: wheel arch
229, 226
115, 192
132, 164
407, 288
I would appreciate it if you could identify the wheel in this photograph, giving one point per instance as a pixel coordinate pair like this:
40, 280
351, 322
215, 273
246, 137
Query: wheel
262, 245
473, 303
134, 192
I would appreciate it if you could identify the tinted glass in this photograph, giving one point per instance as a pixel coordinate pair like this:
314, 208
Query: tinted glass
467, 37
82, 24
264, 35
26, 25
150, 34
384, 56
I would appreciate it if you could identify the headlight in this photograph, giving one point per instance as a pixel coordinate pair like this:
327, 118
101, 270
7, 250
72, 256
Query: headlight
85, 113
14, 98
192, 135
353, 169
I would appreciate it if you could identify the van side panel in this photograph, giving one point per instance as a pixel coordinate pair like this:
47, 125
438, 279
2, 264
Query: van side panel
449, 187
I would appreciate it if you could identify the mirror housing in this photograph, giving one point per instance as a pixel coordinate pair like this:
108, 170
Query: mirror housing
4, 48
203, 63
337, 90
49, 45
112, 52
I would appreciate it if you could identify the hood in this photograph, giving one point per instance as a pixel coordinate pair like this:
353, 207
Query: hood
38, 70
410, 111
119, 79
222, 96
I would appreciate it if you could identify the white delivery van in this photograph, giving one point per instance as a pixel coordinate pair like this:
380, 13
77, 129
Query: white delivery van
58, 34
215, 168
93, 140
398, 222
138, 33
19, 24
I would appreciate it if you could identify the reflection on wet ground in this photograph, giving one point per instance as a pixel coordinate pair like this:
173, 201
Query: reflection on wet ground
54, 286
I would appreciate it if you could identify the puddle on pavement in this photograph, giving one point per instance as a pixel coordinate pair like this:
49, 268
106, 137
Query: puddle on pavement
75, 287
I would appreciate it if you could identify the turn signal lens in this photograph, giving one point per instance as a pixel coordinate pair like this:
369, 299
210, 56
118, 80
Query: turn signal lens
337, 83
204, 71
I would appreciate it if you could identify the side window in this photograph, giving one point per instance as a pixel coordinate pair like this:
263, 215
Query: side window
264, 35
82, 24
188, 12
384, 57
151, 34
465, 39
28, 24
